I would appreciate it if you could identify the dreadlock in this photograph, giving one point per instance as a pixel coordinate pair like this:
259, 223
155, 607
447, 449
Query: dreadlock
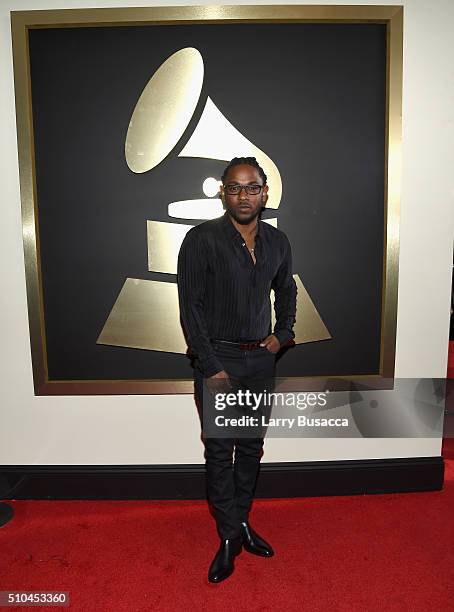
248, 161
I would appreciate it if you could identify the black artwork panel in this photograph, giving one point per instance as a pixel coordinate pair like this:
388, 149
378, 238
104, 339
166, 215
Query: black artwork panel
312, 96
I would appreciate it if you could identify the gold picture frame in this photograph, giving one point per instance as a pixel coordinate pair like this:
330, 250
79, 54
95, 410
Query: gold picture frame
24, 21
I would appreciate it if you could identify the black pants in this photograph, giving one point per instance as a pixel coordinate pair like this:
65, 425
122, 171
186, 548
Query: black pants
232, 465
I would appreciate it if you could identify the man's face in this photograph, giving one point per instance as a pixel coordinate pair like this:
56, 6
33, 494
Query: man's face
243, 207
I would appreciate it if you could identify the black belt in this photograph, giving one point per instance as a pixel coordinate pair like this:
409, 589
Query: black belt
243, 346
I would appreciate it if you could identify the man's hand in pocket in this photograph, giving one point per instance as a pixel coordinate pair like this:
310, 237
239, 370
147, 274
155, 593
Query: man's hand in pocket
219, 383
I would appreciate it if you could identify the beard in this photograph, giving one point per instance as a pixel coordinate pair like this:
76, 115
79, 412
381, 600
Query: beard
243, 220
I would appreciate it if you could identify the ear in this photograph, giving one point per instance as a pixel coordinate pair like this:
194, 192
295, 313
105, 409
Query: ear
264, 195
222, 194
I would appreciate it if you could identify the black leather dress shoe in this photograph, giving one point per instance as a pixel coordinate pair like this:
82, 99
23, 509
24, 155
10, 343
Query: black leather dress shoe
253, 543
223, 563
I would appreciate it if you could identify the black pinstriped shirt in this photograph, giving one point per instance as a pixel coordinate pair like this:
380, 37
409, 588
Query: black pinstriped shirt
224, 296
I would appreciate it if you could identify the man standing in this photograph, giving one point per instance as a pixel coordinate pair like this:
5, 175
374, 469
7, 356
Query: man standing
226, 269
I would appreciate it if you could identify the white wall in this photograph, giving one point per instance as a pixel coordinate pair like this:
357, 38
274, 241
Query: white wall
164, 429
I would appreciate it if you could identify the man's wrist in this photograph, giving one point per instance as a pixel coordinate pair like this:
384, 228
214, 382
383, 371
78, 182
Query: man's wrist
284, 336
210, 366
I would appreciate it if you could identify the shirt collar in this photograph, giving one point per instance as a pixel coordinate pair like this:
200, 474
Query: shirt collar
231, 229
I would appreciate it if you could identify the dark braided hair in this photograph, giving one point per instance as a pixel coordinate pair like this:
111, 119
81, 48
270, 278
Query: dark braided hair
248, 161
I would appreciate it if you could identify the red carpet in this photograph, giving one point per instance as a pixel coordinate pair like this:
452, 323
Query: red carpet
360, 553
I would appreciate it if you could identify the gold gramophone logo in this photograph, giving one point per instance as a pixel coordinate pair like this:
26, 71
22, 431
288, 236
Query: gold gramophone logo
146, 313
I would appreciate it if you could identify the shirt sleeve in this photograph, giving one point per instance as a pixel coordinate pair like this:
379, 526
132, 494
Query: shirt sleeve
191, 278
285, 297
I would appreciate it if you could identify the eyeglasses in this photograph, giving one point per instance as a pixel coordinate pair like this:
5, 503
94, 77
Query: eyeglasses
249, 189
